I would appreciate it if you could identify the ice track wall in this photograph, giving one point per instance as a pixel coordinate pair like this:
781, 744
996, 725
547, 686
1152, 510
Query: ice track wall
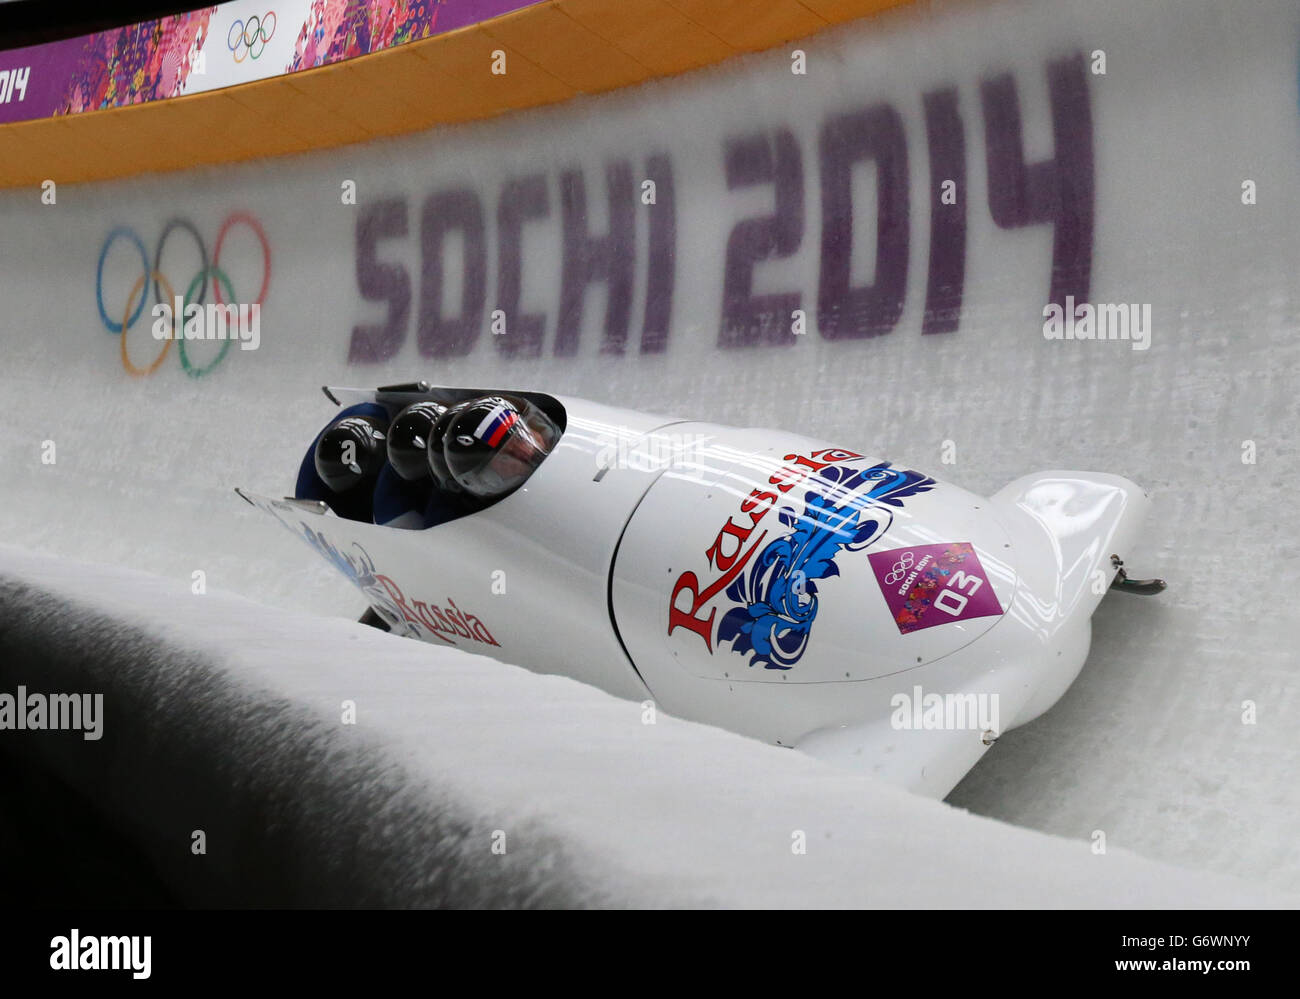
222, 720
775, 193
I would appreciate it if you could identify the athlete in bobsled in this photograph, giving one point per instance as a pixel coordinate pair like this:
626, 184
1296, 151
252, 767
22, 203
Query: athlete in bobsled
430, 463
766, 582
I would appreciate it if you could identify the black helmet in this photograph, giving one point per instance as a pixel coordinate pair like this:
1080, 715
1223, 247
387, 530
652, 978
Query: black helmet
408, 439
495, 443
350, 452
436, 456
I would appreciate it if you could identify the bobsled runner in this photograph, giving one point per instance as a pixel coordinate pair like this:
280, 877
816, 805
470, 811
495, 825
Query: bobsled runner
766, 582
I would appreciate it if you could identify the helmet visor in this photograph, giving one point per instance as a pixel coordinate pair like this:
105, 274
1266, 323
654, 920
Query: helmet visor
510, 466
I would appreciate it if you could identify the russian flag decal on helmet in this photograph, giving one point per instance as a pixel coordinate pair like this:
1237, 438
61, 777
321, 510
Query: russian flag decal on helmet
496, 425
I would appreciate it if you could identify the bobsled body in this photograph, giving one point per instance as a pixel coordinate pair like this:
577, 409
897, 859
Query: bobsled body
771, 583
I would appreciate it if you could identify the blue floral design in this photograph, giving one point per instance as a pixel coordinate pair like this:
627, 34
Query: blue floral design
850, 509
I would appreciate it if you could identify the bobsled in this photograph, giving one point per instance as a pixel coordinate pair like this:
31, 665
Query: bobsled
791, 589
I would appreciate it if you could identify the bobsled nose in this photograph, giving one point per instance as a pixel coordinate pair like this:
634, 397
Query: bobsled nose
1065, 527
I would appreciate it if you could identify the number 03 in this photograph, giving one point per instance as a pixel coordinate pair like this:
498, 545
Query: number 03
952, 602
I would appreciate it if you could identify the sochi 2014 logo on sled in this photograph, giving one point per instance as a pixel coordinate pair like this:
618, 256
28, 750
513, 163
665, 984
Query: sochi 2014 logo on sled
771, 583
934, 584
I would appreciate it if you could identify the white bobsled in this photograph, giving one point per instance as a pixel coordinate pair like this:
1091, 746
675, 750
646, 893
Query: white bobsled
766, 582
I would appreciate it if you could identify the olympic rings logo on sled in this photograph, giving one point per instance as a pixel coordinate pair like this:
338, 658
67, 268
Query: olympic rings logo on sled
899, 570
242, 43
197, 285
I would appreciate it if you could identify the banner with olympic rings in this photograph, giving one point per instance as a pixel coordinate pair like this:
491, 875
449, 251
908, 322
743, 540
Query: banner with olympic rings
218, 46
123, 302
247, 38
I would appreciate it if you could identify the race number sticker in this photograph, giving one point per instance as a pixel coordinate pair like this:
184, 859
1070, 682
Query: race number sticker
934, 584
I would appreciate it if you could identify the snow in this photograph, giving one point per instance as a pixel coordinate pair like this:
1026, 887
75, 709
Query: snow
451, 752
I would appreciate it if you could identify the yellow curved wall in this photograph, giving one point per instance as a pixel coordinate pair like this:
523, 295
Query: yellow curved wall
554, 51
